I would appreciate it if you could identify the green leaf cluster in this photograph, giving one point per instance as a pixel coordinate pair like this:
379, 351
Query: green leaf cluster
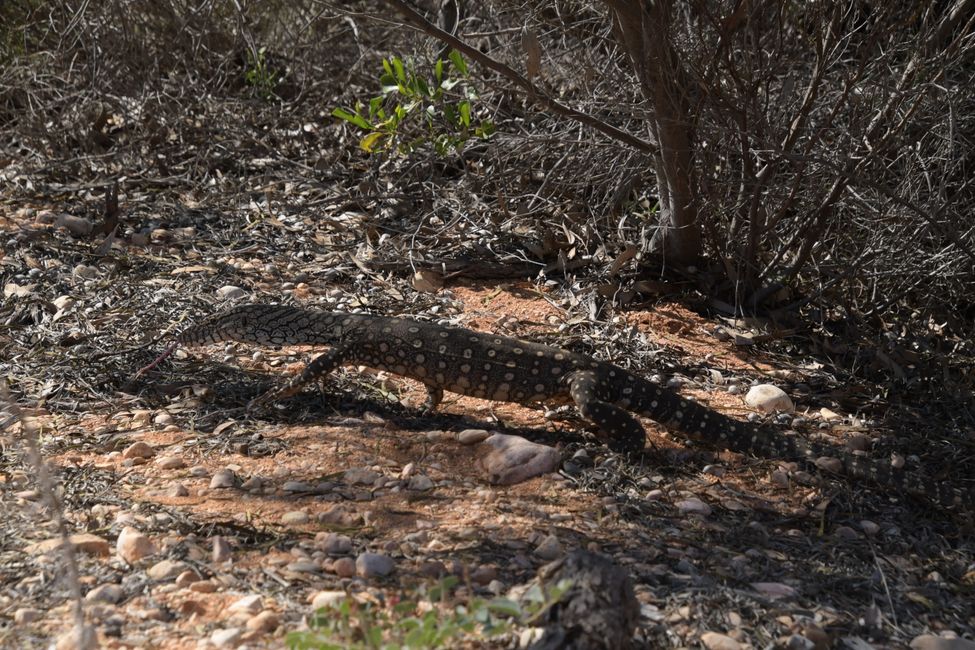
413, 111
259, 75
433, 621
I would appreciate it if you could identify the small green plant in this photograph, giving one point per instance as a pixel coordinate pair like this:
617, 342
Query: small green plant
260, 76
431, 622
442, 106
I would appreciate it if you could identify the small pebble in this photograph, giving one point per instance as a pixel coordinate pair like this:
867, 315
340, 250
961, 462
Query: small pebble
372, 565
226, 638
166, 569
344, 567
549, 549
249, 604
295, 518
223, 478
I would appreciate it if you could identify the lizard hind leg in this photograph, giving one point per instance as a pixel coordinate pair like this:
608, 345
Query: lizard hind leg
434, 397
319, 367
624, 431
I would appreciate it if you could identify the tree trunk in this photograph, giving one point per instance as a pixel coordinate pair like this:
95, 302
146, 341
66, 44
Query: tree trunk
642, 29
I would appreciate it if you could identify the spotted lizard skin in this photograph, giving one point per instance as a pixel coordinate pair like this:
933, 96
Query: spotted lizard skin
506, 369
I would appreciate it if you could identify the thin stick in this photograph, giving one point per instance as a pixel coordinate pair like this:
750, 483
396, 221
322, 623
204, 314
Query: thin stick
84, 634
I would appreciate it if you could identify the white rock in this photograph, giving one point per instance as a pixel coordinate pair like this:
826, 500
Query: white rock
188, 577
328, 599
472, 436
295, 518
163, 418
303, 566
226, 638
230, 292
827, 414
266, 621
170, 462
715, 641
250, 604
693, 506
931, 642
166, 569
13, 290
512, 459
768, 398
133, 545
223, 478
64, 303
82, 542
371, 565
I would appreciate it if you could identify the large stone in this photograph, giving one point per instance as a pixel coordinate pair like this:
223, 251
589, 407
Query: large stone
133, 545
166, 569
82, 542
768, 398
512, 459
373, 565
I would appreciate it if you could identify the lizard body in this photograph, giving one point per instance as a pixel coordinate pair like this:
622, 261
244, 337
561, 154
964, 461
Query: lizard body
501, 368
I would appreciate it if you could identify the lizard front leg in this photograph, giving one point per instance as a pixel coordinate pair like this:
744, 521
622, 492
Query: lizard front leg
319, 367
434, 397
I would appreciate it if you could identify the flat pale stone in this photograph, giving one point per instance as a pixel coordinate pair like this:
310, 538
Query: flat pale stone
83, 543
166, 569
931, 642
170, 462
472, 436
266, 621
693, 506
251, 604
295, 518
715, 641
512, 459
226, 638
327, 599
139, 449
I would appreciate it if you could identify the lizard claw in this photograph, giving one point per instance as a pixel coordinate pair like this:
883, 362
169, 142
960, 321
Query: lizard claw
261, 402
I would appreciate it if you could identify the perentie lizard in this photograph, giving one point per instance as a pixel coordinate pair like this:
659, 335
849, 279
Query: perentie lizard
506, 369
